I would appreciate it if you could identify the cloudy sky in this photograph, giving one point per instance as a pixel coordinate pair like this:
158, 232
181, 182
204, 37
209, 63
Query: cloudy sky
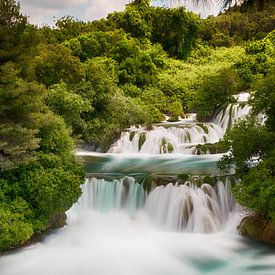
44, 11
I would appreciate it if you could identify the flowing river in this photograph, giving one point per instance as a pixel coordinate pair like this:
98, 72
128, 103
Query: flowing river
122, 226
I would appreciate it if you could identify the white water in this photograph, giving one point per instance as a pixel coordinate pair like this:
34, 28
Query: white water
228, 117
104, 240
174, 207
190, 208
118, 229
181, 137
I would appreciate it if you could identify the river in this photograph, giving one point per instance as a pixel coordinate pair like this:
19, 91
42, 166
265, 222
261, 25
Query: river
119, 226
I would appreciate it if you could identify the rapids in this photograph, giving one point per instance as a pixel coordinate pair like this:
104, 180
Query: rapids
110, 231
120, 226
180, 137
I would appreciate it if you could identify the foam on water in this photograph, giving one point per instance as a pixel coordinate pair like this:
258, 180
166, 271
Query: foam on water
180, 137
101, 240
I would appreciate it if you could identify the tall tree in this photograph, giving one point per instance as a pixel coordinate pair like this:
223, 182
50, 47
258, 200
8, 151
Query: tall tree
12, 26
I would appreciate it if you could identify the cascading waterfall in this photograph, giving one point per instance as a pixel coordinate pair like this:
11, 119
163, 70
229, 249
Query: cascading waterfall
184, 207
190, 208
114, 227
227, 117
181, 138
104, 196
161, 140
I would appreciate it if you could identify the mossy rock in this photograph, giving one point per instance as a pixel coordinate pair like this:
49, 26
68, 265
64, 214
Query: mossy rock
173, 119
252, 226
163, 141
170, 148
149, 127
259, 228
188, 137
213, 148
183, 177
141, 141
210, 180
204, 127
132, 135
57, 221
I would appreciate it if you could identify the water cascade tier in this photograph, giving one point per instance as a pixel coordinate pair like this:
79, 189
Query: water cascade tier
124, 225
180, 137
184, 207
144, 164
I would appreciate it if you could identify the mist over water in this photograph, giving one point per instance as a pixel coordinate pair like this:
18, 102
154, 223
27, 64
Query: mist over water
106, 238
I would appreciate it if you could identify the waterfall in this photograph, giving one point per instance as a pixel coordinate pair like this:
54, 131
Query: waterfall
181, 137
227, 117
175, 207
105, 196
161, 140
190, 208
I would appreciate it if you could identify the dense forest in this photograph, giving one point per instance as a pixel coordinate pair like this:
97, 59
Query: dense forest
85, 82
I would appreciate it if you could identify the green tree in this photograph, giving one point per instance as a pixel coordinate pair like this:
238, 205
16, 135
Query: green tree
21, 111
55, 63
67, 103
249, 141
214, 91
176, 30
264, 98
12, 26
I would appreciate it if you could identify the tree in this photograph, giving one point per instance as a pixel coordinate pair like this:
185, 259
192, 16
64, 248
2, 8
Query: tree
67, 103
21, 107
176, 30
55, 63
264, 98
12, 26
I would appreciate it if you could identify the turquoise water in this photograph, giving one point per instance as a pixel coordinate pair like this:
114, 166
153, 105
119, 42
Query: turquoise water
170, 164
109, 232
117, 228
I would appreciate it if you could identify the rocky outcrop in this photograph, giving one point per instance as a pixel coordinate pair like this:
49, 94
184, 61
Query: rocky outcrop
59, 220
258, 228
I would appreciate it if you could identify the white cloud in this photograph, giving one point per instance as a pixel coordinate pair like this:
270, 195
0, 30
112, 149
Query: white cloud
100, 9
40, 16
44, 11
41, 12
53, 4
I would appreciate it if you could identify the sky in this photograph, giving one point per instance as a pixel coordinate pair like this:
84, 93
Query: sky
45, 11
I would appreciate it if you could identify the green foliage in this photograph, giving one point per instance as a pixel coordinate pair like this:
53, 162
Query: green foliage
264, 98
101, 74
32, 194
106, 127
68, 104
236, 26
12, 26
176, 30
248, 141
138, 61
215, 90
260, 57
55, 63
21, 106
135, 20
257, 189
14, 227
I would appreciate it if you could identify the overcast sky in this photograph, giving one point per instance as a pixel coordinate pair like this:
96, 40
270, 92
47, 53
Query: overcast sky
44, 11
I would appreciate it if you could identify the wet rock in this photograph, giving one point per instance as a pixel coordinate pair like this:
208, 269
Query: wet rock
258, 228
